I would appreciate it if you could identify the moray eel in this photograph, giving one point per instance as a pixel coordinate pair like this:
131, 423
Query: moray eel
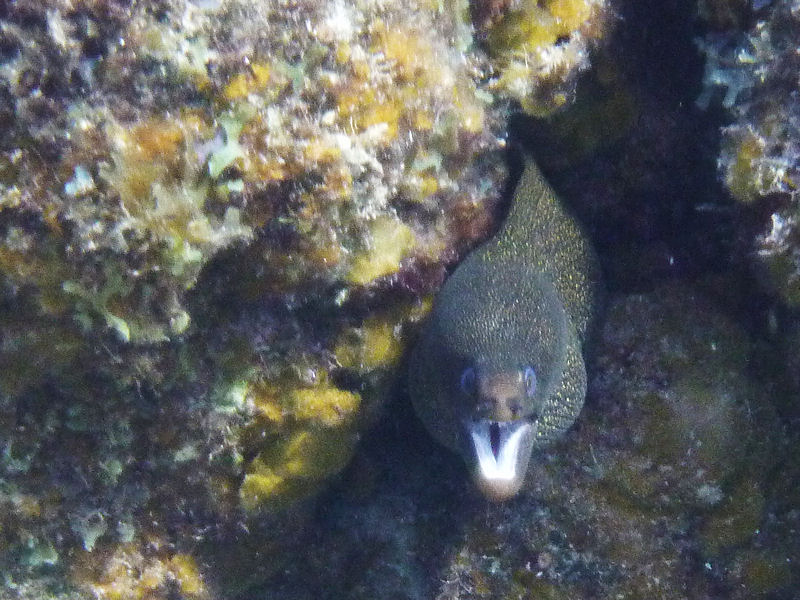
498, 369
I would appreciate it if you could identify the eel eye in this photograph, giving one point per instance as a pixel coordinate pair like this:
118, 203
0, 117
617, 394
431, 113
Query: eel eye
468, 380
529, 378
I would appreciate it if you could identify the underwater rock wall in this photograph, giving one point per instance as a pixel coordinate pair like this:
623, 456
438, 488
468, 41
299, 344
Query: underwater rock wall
222, 221
219, 222
676, 482
752, 64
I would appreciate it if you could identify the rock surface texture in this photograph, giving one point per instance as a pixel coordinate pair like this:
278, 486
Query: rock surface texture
222, 223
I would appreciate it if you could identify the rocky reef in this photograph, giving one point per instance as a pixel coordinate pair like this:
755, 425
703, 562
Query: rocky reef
676, 482
755, 68
223, 221
220, 222
538, 49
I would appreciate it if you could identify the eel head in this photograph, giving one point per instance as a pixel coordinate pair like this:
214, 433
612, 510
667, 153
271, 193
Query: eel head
487, 365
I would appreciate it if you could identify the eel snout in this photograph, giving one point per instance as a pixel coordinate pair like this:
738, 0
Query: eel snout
502, 450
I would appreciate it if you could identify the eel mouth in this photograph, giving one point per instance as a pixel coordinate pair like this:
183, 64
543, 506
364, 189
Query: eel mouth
502, 450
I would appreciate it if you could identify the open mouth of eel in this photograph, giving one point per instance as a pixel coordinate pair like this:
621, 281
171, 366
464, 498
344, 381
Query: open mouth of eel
502, 450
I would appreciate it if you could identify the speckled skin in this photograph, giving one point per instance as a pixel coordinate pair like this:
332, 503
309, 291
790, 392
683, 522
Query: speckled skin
524, 299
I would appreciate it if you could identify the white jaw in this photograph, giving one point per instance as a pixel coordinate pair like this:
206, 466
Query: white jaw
502, 450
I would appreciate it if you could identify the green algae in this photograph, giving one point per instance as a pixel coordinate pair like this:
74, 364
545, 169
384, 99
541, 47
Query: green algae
766, 572
736, 520
690, 407
531, 587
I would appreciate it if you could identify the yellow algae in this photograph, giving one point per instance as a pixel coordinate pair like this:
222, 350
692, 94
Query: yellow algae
316, 454
410, 53
351, 100
570, 14
429, 185
408, 57
520, 29
378, 343
343, 52
386, 112
184, 569
374, 344
322, 151
742, 176
537, 26
238, 87
361, 69
537, 53
325, 404
243, 84
472, 118
422, 119
391, 242
261, 73
156, 139
295, 467
144, 155
266, 398
301, 436
27, 506
125, 572
364, 107
421, 310
381, 345
271, 168
259, 487
150, 152
338, 181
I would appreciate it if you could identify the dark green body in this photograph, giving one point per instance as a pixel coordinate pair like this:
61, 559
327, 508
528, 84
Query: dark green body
524, 299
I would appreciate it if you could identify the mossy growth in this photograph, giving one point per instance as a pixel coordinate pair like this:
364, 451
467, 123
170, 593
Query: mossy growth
527, 586
777, 255
764, 573
690, 413
700, 422
152, 170
36, 345
376, 343
244, 84
742, 176
129, 572
391, 241
540, 46
301, 436
535, 24
736, 520
289, 134
390, 111
295, 467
